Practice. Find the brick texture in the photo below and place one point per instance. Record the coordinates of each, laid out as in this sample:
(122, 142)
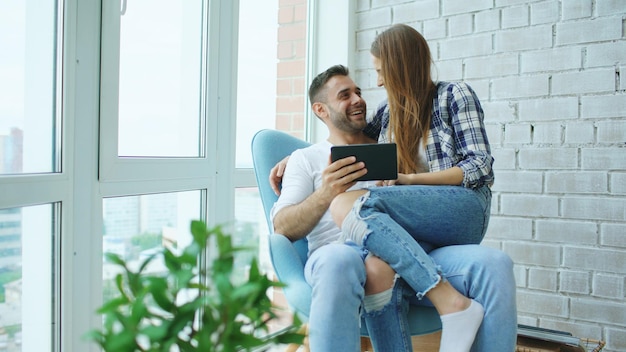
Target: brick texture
(291, 54)
(550, 76)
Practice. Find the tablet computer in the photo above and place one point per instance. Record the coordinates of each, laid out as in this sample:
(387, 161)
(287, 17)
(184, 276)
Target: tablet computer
(380, 159)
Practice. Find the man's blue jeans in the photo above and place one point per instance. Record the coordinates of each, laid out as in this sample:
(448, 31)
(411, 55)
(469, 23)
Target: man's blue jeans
(336, 273)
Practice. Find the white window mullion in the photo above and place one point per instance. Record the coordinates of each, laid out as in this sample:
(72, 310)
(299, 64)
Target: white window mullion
(19, 191)
(109, 86)
(221, 107)
(81, 225)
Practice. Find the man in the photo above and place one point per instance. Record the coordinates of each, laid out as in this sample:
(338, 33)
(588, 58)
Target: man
(336, 271)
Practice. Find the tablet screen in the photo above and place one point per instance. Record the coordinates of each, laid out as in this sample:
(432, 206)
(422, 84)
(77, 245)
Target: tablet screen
(380, 159)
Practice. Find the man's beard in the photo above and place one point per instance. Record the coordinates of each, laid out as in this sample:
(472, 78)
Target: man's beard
(344, 123)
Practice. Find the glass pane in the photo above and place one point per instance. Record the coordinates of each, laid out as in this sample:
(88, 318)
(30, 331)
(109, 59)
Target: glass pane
(256, 81)
(28, 41)
(26, 278)
(138, 226)
(159, 78)
(250, 230)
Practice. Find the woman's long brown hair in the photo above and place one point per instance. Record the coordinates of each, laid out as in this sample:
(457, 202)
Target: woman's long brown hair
(405, 68)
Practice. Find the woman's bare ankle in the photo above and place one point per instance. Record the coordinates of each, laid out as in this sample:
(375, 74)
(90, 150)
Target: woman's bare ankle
(447, 299)
(460, 303)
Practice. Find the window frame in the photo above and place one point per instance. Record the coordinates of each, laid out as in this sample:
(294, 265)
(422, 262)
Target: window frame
(215, 177)
(82, 182)
(117, 169)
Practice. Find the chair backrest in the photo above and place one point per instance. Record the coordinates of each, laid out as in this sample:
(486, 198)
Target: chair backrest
(268, 148)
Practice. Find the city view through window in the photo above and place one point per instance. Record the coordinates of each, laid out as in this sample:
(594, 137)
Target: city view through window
(134, 226)
(28, 137)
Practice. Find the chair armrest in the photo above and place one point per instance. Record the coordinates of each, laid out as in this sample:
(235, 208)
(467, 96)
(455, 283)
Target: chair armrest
(289, 269)
(285, 259)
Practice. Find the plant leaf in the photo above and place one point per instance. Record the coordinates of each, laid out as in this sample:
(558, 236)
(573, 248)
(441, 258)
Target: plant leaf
(191, 307)
(156, 332)
(113, 304)
(158, 288)
(122, 342)
(115, 259)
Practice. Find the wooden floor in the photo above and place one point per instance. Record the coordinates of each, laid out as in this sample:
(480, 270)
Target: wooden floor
(423, 343)
(427, 343)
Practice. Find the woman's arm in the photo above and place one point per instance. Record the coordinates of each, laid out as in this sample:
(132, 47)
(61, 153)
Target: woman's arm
(452, 176)
(471, 145)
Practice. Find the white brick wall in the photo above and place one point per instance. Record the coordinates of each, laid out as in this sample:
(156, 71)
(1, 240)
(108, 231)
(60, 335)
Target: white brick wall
(551, 76)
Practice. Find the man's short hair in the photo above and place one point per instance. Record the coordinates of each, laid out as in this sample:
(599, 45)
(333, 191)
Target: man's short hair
(317, 86)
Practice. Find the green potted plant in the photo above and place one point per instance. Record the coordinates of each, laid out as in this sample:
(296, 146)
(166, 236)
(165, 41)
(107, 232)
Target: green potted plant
(192, 307)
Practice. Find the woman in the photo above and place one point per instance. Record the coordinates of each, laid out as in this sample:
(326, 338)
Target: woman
(445, 170)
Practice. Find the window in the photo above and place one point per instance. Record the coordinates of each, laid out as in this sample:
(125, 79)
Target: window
(27, 278)
(154, 107)
(270, 94)
(160, 73)
(28, 98)
(136, 227)
(30, 162)
(109, 106)
(256, 73)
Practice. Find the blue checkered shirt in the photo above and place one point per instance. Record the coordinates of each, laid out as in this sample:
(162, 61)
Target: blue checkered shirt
(457, 134)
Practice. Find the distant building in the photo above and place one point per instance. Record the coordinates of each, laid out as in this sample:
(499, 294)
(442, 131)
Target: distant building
(13, 292)
(11, 152)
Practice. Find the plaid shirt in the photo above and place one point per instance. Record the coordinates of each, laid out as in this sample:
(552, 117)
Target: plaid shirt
(457, 134)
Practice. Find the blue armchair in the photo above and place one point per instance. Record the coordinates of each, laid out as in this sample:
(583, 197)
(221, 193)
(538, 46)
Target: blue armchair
(268, 148)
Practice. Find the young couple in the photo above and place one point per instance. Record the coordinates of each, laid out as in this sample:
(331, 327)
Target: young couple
(442, 201)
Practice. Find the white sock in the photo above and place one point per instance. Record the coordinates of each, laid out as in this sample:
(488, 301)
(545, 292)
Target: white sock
(458, 330)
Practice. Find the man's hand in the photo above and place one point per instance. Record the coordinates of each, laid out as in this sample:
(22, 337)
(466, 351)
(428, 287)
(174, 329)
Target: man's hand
(296, 221)
(334, 175)
(339, 176)
(276, 175)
